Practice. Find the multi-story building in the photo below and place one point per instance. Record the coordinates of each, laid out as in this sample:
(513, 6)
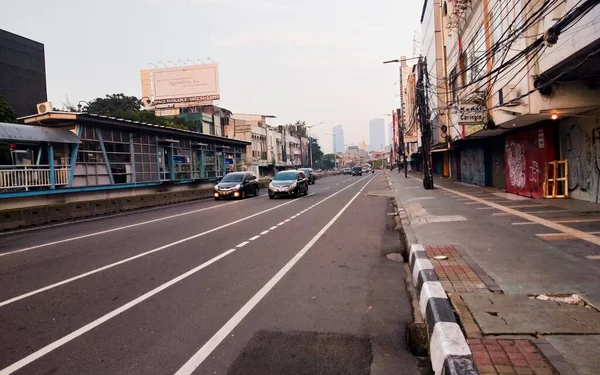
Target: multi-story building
(376, 134)
(252, 128)
(338, 139)
(22, 73)
(521, 91)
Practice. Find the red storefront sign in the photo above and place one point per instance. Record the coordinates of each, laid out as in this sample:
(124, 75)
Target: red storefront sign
(526, 154)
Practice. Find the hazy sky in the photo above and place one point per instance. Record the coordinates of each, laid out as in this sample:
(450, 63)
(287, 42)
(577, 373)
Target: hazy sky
(312, 60)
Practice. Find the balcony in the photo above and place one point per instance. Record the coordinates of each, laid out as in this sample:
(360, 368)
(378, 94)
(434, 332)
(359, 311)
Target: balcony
(26, 177)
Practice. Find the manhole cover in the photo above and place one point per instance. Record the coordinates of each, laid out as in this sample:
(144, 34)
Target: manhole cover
(303, 353)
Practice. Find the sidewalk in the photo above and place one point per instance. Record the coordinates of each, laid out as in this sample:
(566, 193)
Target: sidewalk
(502, 259)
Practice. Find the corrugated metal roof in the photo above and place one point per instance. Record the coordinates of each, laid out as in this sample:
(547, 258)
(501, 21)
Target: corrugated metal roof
(28, 133)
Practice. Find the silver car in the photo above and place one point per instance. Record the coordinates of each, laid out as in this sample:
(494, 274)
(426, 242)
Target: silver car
(288, 183)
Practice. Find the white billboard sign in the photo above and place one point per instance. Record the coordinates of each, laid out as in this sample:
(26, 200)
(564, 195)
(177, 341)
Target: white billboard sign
(185, 84)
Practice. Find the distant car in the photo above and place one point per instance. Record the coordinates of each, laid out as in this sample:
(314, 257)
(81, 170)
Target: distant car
(288, 183)
(310, 174)
(236, 185)
(347, 170)
(365, 170)
(357, 171)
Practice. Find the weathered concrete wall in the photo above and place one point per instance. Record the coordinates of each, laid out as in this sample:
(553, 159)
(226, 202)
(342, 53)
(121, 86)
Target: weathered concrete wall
(580, 146)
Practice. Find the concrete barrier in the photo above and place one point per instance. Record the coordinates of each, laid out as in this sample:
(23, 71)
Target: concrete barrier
(74, 209)
(34, 216)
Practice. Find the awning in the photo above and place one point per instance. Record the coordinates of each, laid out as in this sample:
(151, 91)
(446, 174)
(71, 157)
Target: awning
(28, 133)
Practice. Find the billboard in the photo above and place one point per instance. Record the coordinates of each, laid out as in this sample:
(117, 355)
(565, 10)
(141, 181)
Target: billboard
(185, 84)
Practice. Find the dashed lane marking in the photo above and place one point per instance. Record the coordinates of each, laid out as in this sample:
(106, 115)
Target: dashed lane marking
(593, 257)
(254, 238)
(88, 327)
(126, 260)
(563, 221)
(265, 232)
(559, 236)
(196, 360)
(273, 227)
(243, 244)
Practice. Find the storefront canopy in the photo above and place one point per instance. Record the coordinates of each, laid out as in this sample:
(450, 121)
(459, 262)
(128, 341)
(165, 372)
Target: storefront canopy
(26, 133)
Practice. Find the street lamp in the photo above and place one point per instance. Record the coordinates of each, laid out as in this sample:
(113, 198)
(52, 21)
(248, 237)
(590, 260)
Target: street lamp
(310, 156)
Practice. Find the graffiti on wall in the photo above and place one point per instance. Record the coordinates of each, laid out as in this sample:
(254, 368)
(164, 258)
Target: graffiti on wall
(580, 146)
(472, 167)
(526, 154)
(515, 162)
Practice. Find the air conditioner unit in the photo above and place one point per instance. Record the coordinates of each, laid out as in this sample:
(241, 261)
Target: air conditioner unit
(44, 108)
(507, 96)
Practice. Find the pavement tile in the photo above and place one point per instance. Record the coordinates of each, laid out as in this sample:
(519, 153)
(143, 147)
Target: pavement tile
(523, 371)
(474, 341)
(511, 349)
(486, 369)
(490, 341)
(506, 342)
(505, 369)
(537, 363)
(477, 347)
(544, 371)
(501, 361)
(494, 347)
(515, 356)
(520, 363)
(533, 357)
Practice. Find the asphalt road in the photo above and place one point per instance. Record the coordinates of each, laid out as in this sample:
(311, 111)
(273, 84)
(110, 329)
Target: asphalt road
(259, 286)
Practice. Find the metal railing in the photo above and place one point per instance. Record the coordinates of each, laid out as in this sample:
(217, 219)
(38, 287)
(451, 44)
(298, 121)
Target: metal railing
(24, 177)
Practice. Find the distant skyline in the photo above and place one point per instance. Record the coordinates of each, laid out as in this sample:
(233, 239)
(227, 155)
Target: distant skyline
(338, 139)
(275, 56)
(376, 134)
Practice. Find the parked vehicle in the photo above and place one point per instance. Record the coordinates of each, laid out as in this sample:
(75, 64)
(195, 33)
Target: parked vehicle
(237, 185)
(357, 171)
(310, 174)
(288, 183)
(347, 170)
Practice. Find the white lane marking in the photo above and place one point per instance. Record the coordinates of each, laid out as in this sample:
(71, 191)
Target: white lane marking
(254, 238)
(265, 232)
(293, 217)
(485, 208)
(286, 220)
(327, 188)
(280, 224)
(85, 274)
(273, 227)
(62, 341)
(243, 244)
(115, 229)
(196, 360)
(71, 336)
(593, 257)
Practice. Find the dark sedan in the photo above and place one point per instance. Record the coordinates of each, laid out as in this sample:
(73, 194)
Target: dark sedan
(288, 183)
(236, 185)
(310, 174)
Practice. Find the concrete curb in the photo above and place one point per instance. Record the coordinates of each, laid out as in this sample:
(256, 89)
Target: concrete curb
(449, 351)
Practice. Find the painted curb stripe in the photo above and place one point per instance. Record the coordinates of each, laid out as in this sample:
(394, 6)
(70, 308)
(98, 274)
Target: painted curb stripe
(421, 264)
(414, 248)
(415, 256)
(423, 277)
(438, 311)
(459, 365)
(430, 289)
(447, 340)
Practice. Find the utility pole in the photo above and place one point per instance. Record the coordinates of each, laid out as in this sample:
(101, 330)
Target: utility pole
(424, 118)
(401, 118)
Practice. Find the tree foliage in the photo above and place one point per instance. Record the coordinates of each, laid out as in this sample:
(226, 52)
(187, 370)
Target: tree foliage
(112, 104)
(130, 108)
(328, 161)
(299, 128)
(317, 154)
(6, 112)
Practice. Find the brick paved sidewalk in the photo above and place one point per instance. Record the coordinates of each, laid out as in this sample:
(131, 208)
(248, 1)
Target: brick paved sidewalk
(503, 357)
(492, 356)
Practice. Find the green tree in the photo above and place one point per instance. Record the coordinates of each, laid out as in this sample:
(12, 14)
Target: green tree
(299, 128)
(112, 104)
(328, 161)
(130, 108)
(6, 112)
(317, 154)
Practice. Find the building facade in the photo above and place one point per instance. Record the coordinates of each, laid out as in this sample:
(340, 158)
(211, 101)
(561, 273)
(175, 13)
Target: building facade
(376, 134)
(22, 72)
(521, 83)
(338, 139)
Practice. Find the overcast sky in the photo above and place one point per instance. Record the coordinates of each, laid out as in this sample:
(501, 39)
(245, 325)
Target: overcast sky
(312, 60)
